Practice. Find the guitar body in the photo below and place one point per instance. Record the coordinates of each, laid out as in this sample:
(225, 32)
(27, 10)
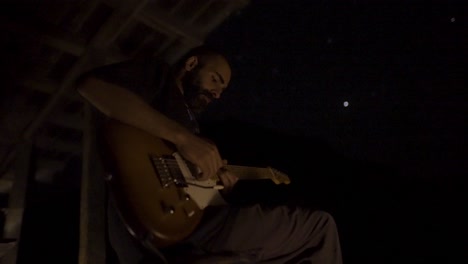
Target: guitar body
(156, 195)
(163, 215)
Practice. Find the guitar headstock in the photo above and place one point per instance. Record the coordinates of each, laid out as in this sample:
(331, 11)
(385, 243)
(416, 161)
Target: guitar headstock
(279, 177)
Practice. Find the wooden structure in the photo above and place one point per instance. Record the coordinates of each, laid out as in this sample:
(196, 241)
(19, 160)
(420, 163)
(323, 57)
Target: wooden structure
(44, 123)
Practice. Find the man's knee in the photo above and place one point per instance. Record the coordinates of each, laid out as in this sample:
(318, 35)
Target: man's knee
(326, 220)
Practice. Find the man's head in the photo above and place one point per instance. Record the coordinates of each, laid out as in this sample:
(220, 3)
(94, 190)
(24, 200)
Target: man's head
(202, 75)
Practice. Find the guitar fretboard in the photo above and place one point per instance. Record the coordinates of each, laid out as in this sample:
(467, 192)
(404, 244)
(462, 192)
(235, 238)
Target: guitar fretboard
(250, 173)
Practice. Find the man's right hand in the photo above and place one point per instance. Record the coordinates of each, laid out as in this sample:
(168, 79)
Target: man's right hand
(202, 153)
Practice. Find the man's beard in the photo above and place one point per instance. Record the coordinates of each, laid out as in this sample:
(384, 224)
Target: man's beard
(195, 95)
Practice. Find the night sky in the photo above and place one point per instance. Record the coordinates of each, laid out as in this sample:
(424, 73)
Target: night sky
(363, 104)
(389, 166)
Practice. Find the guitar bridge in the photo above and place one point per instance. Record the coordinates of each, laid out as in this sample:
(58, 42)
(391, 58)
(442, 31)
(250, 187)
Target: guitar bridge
(167, 171)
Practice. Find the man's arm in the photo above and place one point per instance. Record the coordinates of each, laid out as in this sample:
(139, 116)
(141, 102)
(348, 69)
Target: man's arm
(123, 105)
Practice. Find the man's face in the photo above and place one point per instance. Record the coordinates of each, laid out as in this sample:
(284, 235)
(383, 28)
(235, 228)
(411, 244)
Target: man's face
(205, 83)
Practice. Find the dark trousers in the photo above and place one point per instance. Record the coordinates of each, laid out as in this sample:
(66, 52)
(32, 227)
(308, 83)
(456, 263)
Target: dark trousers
(280, 234)
(258, 234)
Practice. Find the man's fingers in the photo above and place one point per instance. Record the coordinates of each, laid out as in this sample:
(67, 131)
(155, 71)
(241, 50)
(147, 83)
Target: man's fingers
(215, 165)
(228, 179)
(205, 173)
(224, 179)
(204, 155)
(209, 170)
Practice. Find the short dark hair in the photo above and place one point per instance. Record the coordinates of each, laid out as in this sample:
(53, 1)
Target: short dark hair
(202, 52)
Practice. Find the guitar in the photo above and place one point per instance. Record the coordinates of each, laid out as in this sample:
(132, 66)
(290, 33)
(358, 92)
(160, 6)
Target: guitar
(154, 189)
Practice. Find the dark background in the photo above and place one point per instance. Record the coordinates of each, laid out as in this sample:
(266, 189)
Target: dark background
(390, 166)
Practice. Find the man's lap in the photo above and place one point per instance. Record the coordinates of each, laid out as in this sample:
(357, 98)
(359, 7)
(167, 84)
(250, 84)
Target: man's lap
(260, 232)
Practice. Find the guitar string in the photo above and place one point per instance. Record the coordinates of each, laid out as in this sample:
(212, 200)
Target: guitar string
(174, 162)
(175, 165)
(200, 186)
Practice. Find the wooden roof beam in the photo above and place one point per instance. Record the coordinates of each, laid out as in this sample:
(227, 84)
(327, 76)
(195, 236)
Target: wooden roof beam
(48, 86)
(105, 36)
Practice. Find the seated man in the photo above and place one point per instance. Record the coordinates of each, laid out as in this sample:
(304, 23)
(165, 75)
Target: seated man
(165, 102)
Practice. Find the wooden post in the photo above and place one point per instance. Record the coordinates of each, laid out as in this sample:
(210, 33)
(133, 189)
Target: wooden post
(16, 202)
(93, 200)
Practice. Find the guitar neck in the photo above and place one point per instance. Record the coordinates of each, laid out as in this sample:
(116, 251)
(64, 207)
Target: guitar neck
(250, 173)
